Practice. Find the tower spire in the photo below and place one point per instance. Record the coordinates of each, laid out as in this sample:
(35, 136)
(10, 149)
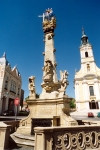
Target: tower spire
(83, 31)
(4, 55)
(84, 38)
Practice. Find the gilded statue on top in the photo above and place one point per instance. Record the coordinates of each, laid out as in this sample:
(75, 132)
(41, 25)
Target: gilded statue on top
(49, 20)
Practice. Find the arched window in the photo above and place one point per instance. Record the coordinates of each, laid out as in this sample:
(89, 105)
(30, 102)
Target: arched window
(86, 54)
(93, 105)
(91, 90)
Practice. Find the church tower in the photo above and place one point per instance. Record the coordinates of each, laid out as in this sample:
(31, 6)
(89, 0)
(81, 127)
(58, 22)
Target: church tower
(87, 79)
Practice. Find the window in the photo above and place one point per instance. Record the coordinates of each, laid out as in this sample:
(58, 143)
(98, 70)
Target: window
(86, 54)
(13, 86)
(88, 67)
(91, 90)
(6, 83)
(18, 90)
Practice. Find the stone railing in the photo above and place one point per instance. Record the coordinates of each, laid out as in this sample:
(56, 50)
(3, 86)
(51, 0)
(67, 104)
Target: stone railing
(67, 138)
(4, 136)
(13, 125)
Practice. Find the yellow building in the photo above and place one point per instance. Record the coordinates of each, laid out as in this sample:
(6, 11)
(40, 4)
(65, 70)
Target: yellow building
(10, 85)
(87, 79)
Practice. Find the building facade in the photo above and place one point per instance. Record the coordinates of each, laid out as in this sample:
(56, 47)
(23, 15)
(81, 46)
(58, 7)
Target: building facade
(10, 85)
(87, 79)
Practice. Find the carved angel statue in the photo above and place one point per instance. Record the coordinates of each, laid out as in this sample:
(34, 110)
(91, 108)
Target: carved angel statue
(63, 80)
(31, 86)
(63, 76)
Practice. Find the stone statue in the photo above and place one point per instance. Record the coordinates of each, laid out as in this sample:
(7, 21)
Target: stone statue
(49, 20)
(48, 71)
(31, 87)
(48, 14)
(63, 81)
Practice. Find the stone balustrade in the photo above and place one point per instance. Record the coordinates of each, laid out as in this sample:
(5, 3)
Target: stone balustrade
(14, 124)
(82, 137)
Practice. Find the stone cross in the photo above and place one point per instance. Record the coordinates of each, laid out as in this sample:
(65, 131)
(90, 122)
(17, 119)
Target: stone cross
(42, 16)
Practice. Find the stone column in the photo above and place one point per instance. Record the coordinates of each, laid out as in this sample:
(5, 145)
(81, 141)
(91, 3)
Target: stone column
(97, 90)
(86, 94)
(43, 138)
(77, 96)
(49, 53)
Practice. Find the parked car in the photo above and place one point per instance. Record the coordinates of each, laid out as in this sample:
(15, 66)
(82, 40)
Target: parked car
(90, 114)
(8, 113)
(23, 113)
(98, 115)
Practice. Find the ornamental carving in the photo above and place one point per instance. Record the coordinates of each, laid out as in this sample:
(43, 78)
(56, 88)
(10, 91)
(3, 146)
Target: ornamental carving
(78, 141)
(48, 71)
(64, 81)
(49, 20)
(31, 86)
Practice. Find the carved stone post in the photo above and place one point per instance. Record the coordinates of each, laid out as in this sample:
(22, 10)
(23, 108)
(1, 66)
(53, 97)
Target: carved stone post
(4, 136)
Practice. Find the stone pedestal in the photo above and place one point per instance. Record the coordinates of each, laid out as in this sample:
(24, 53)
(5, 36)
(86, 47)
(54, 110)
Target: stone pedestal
(49, 109)
(4, 136)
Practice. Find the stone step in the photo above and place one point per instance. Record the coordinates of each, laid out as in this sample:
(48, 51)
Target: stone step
(23, 139)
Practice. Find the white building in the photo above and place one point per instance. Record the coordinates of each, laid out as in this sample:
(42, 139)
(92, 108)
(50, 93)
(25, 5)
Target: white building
(10, 85)
(87, 79)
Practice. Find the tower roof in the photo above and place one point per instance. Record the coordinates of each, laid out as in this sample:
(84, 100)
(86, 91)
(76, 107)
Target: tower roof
(84, 38)
(3, 59)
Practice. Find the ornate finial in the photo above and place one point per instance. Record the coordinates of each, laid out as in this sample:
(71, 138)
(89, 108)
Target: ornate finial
(4, 55)
(83, 31)
(15, 66)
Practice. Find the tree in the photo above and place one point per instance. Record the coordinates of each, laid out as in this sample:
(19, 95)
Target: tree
(37, 96)
(26, 98)
(72, 103)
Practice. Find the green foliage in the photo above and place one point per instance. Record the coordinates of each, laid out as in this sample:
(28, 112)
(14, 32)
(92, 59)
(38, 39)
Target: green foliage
(37, 95)
(72, 104)
(26, 98)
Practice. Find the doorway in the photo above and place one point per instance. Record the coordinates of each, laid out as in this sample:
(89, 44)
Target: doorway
(11, 104)
(3, 104)
(93, 105)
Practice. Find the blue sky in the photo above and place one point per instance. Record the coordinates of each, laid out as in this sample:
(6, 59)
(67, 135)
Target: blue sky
(21, 35)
